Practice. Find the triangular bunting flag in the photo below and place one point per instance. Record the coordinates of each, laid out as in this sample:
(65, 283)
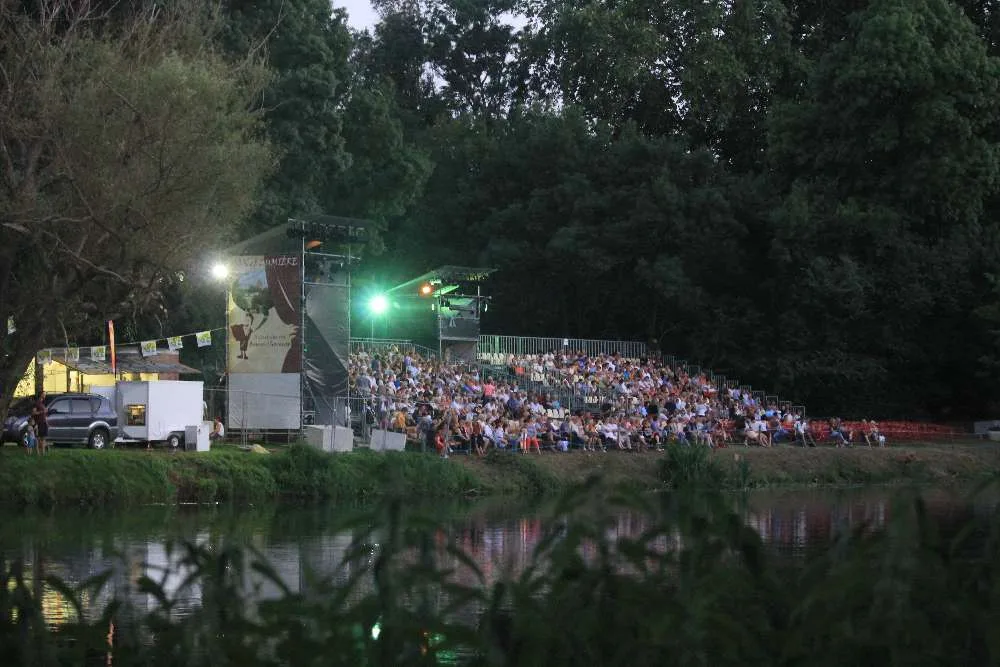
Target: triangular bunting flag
(148, 348)
(98, 353)
(10, 325)
(175, 343)
(204, 338)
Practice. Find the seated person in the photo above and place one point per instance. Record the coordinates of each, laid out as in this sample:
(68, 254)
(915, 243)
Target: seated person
(218, 430)
(548, 434)
(462, 437)
(398, 423)
(838, 434)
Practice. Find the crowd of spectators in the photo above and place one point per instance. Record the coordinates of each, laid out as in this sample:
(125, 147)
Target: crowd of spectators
(643, 405)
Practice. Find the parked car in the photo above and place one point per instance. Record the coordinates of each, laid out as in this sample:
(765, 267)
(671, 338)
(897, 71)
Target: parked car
(87, 419)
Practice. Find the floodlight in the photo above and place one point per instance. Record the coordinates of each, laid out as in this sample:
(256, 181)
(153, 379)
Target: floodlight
(378, 304)
(426, 289)
(220, 271)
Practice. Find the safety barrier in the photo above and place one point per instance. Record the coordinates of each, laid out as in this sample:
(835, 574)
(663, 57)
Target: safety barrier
(383, 345)
(496, 349)
(499, 351)
(892, 430)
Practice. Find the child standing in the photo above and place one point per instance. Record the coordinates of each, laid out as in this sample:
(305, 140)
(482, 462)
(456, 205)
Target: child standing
(30, 439)
(441, 442)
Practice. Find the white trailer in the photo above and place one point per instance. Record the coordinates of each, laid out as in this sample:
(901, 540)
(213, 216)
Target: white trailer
(159, 411)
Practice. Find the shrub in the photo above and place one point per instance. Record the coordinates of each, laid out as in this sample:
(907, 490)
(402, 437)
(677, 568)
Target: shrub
(691, 465)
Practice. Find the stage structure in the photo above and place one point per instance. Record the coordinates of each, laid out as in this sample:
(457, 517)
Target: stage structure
(449, 304)
(289, 323)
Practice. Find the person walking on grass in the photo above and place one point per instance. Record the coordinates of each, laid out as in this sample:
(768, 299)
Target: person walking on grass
(441, 442)
(40, 413)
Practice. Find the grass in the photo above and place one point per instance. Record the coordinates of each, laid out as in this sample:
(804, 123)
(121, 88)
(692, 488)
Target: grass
(939, 463)
(302, 474)
(296, 473)
(746, 468)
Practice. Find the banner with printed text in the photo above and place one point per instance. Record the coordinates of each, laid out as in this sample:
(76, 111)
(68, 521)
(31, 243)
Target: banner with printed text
(264, 314)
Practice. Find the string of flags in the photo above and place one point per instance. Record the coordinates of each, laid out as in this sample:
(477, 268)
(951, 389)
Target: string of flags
(147, 348)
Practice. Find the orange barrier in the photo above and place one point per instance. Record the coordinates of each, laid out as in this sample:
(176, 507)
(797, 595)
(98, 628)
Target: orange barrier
(892, 430)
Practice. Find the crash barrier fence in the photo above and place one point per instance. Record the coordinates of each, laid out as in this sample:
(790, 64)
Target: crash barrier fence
(499, 351)
(893, 430)
(524, 345)
(383, 345)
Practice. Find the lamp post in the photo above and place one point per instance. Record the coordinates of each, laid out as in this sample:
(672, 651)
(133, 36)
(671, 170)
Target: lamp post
(220, 273)
(377, 306)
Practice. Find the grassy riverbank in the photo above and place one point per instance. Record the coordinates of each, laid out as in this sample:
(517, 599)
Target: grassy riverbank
(740, 467)
(298, 473)
(133, 477)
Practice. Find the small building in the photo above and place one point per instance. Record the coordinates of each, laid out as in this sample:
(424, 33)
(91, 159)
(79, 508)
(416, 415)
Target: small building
(84, 374)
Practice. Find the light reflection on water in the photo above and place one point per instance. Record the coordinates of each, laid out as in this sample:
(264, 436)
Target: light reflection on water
(298, 541)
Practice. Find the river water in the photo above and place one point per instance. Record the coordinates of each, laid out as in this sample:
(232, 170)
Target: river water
(499, 536)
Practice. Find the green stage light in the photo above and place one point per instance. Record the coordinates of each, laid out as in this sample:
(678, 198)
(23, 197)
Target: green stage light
(378, 304)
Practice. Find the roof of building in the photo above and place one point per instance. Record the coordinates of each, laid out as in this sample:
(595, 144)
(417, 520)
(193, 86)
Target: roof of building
(445, 275)
(127, 363)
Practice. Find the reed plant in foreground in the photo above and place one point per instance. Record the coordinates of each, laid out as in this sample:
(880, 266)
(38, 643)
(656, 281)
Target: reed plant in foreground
(695, 587)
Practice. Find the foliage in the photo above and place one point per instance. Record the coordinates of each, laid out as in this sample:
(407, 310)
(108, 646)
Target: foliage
(526, 475)
(800, 194)
(334, 122)
(687, 466)
(306, 47)
(128, 148)
(695, 587)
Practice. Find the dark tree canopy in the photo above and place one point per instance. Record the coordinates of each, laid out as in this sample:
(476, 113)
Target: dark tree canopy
(800, 193)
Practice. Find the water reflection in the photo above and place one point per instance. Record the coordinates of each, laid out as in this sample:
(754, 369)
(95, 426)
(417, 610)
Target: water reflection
(299, 542)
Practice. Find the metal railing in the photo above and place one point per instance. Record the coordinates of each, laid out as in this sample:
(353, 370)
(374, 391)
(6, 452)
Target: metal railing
(494, 353)
(494, 346)
(381, 345)
(528, 383)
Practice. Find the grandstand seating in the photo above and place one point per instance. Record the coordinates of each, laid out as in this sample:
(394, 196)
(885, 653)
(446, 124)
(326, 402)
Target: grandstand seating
(608, 396)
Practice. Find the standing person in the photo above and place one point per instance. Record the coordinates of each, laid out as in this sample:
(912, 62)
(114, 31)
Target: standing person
(30, 439)
(441, 442)
(41, 415)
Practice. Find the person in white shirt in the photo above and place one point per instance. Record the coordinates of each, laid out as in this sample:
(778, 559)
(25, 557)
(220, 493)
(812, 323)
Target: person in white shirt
(218, 430)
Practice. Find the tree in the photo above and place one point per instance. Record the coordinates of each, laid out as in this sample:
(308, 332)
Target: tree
(127, 148)
(306, 45)
(888, 160)
(335, 122)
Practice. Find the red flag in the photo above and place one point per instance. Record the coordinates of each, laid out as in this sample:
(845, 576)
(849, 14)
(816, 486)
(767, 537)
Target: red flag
(111, 341)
